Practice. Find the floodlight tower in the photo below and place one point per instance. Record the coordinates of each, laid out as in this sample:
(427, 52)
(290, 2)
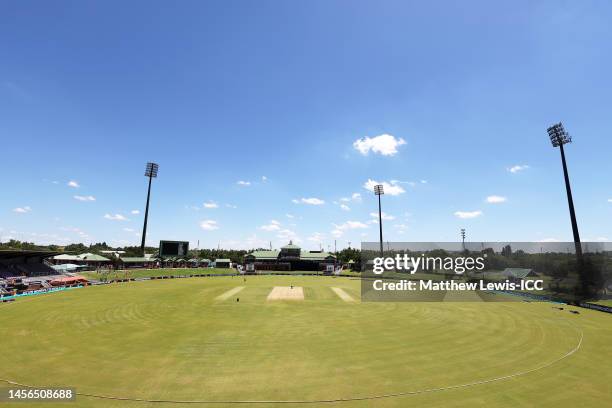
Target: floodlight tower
(559, 137)
(463, 238)
(150, 172)
(378, 190)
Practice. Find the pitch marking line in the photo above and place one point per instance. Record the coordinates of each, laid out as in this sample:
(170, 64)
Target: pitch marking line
(286, 293)
(229, 293)
(343, 295)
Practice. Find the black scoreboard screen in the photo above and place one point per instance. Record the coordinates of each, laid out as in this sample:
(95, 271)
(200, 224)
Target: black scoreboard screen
(173, 248)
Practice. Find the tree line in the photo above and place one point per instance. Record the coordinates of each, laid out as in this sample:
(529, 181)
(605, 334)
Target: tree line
(235, 255)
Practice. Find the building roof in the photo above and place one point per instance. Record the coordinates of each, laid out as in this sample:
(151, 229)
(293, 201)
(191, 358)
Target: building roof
(519, 273)
(290, 245)
(67, 257)
(223, 260)
(136, 259)
(81, 257)
(315, 256)
(193, 260)
(13, 253)
(305, 255)
(93, 257)
(273, 254)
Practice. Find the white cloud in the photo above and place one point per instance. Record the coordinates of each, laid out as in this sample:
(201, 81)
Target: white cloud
(210, 204)
(356, 197)
(73, 184)
(610, 200)
(264, 178)
(336, 233)
(209, 225)
(272, 226)
(392, 188)
(78, 231)
(495, 199)
(295, 201)
(350, 225)
(345, 207)
(385, 216)
(231, 206)
(254, 241)
(288, 235)
(115, 217)
(290, 215)
(22, 210)
(309, 201)
(550, 240)
(316, 237)
(84, 198)
(135, 212)
(518, 167)
(128, 229)
(468, 214)
(243, 183)
(423, 181)
(383, 144)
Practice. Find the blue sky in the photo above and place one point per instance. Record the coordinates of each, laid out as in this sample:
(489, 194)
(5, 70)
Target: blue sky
(292, 98)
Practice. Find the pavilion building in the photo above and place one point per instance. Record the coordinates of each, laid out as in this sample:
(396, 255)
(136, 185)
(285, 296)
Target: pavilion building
(289, 258)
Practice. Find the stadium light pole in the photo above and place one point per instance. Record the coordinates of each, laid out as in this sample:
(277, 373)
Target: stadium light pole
(378, 190)
(150, 172)
(463, 238)
(558, 138)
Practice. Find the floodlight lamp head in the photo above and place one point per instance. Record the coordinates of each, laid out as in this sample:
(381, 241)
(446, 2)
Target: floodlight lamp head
(378, 189)
(558, 135)
(151, 169)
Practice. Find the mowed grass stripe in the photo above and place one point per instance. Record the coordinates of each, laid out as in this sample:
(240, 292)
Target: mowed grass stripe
(229, 293)
(342, 294)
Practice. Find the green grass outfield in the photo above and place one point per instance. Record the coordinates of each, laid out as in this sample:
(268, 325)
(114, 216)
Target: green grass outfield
(603, 302)
(174, 339)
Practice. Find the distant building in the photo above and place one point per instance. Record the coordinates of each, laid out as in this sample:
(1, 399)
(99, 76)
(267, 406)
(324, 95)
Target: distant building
(290, 258)
(89, 259)
(222, 263)
(137, 262)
